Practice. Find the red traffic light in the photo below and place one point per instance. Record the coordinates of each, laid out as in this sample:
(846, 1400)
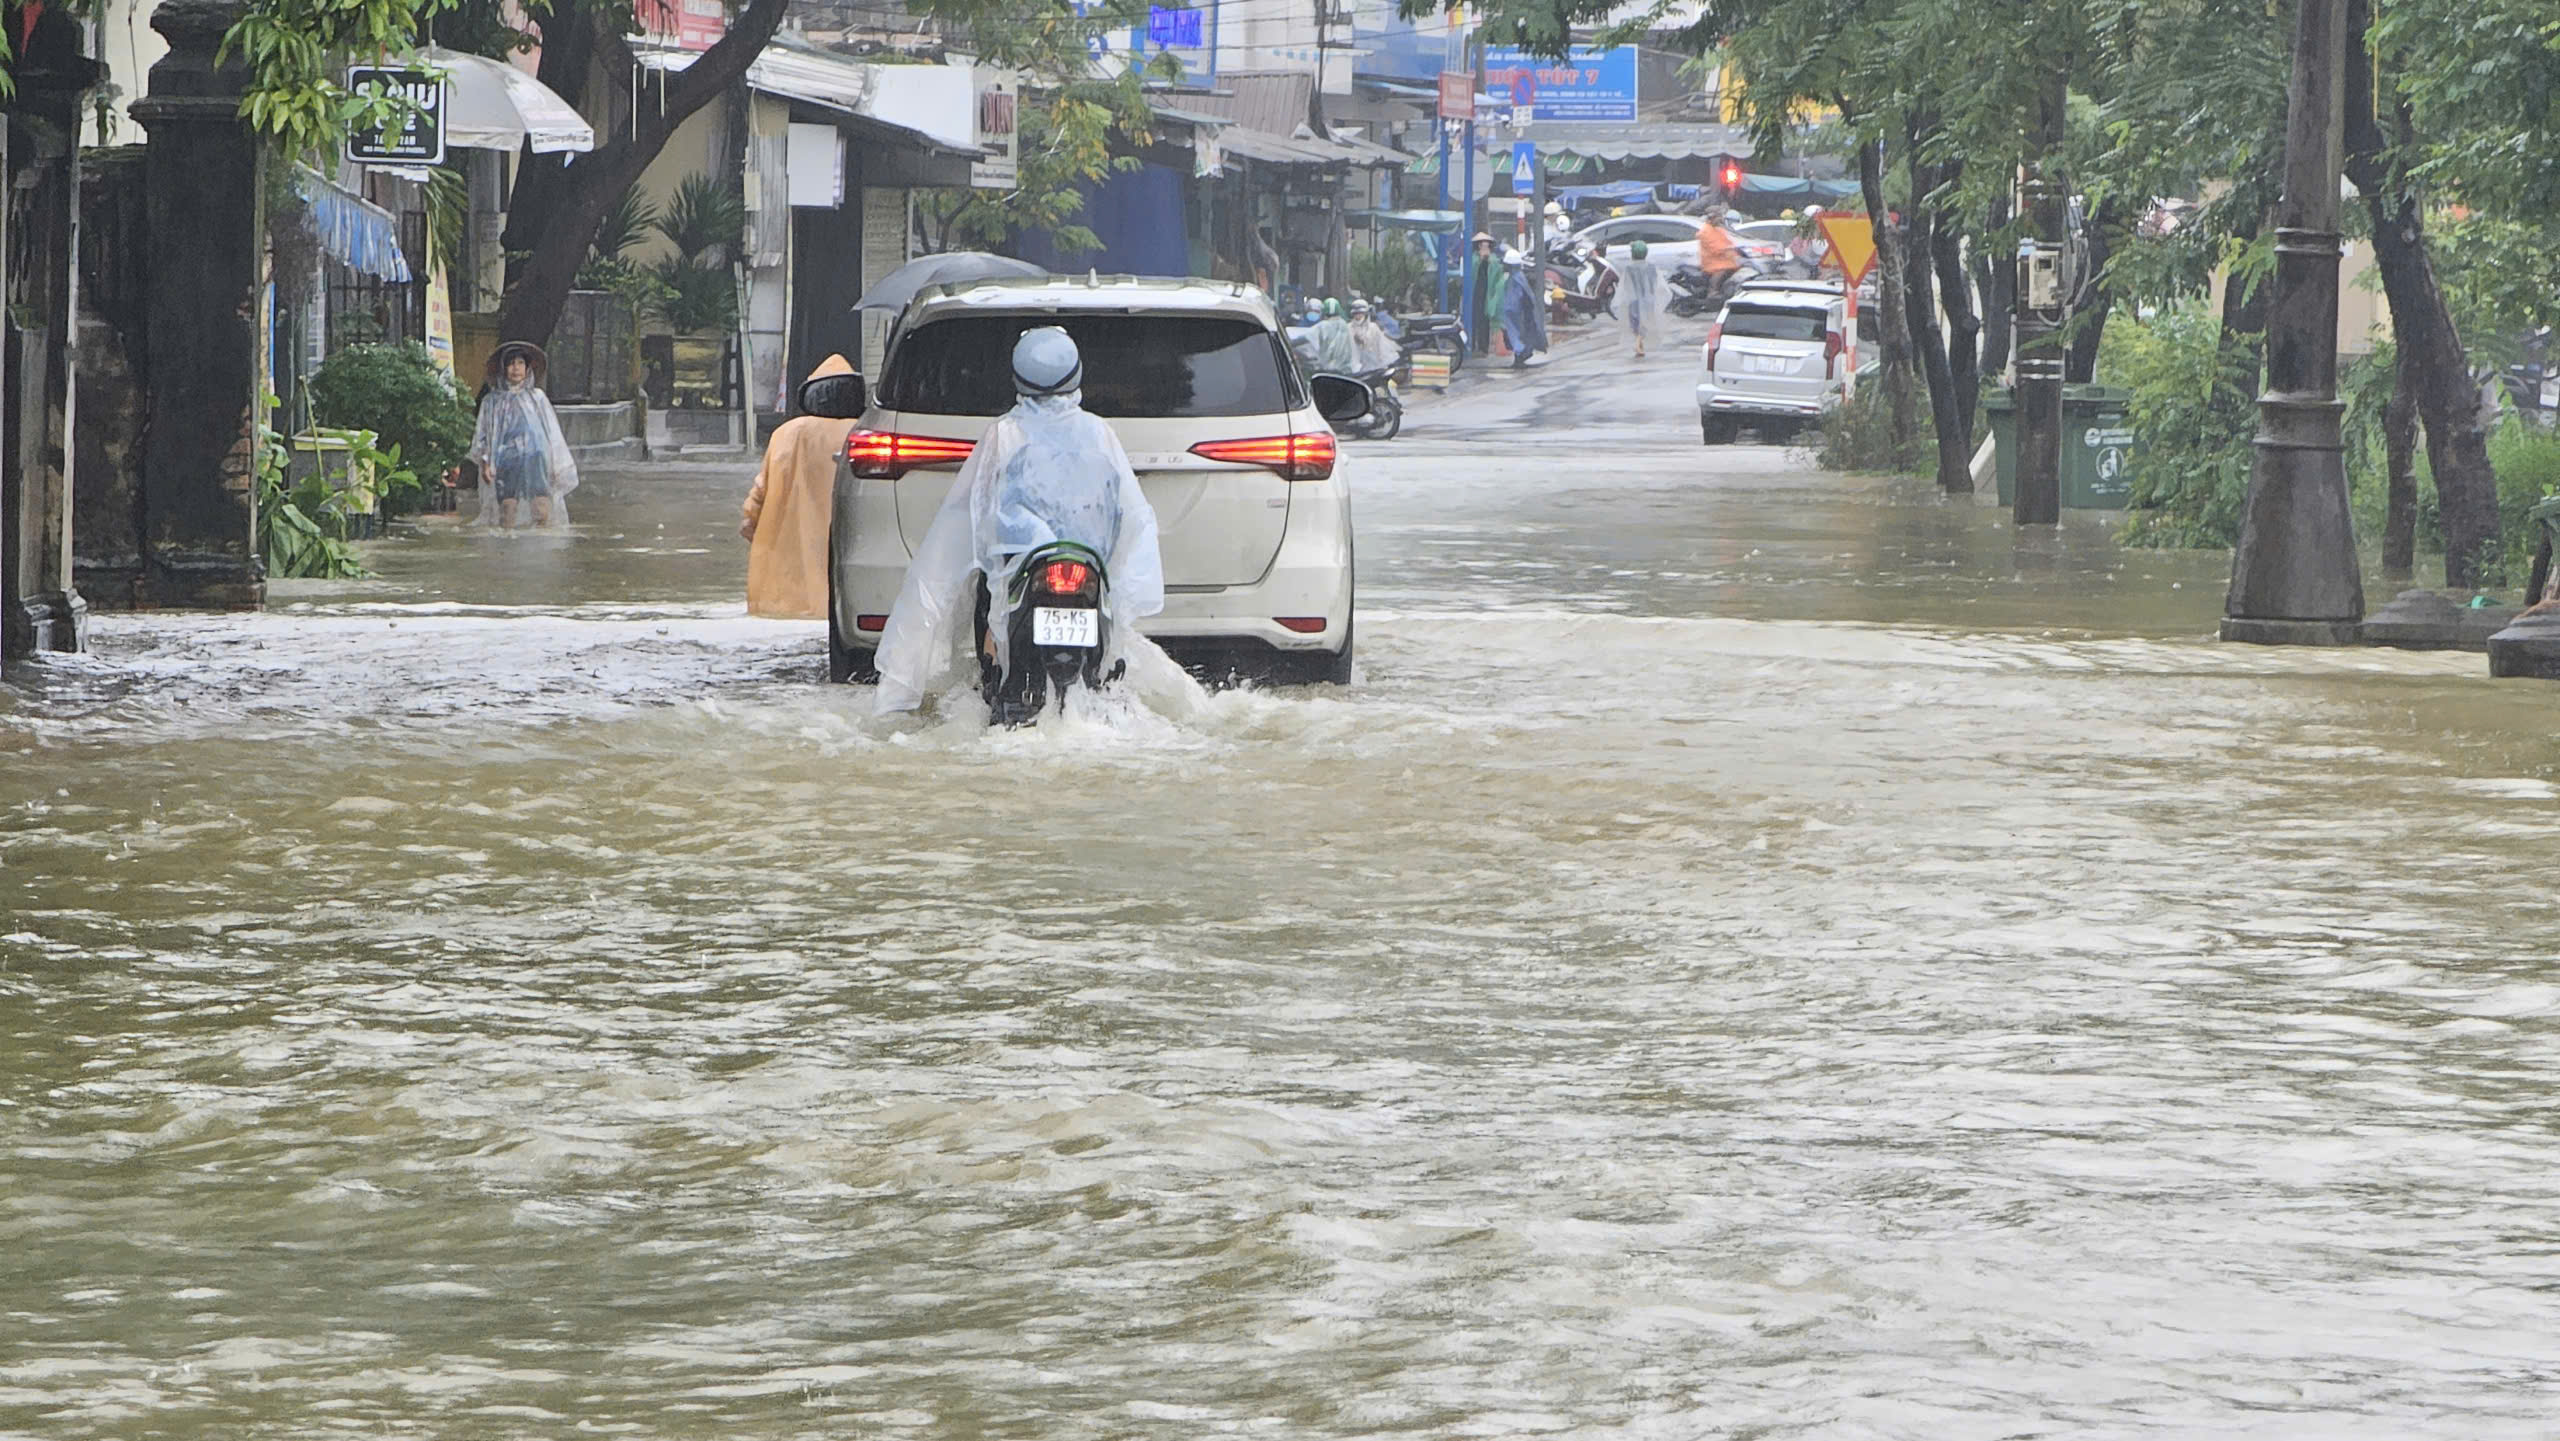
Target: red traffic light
(1731, 175)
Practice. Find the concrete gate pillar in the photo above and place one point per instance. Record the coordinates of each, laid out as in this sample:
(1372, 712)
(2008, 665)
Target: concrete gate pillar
(40, 608)
(207, 274)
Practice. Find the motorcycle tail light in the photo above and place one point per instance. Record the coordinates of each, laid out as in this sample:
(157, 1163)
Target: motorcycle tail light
(886, 454)
(1715, 337)
(1832, 344)
(1308, 455)
(1065, 577)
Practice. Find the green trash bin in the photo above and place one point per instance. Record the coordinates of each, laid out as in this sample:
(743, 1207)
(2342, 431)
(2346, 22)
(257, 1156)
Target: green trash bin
(2098, 449)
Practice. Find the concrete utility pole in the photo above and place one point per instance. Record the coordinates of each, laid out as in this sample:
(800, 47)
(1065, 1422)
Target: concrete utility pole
(2041, 315)
(2294, 579)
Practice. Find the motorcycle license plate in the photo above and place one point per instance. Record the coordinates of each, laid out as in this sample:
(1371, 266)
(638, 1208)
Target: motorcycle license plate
(1053, 626)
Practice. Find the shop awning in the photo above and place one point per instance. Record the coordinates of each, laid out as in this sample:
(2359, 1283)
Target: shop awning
(1498, 162)
(1408, 219)
(492, 105)
(1666, 140)
(932, 107)
(352, 230)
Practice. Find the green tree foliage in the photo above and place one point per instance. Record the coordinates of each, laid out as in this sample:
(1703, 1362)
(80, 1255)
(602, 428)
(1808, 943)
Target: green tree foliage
(1075, 124)
(297, 50)
(704, 223)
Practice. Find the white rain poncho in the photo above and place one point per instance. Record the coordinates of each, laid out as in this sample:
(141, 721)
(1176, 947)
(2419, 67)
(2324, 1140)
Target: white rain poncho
(1335, 354)
(1640, 298)
(1046, 470)
(1371, 347)
(521, 452)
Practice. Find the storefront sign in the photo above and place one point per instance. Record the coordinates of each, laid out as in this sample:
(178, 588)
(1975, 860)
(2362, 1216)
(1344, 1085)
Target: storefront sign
(418, 137)
(999, 97)
(1171, 27)
(1457, 95)
(686, 24)
(1589, 84)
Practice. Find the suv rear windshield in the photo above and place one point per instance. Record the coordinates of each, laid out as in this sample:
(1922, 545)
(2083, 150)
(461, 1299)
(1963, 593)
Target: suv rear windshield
(1771, 322)
(1136, 367)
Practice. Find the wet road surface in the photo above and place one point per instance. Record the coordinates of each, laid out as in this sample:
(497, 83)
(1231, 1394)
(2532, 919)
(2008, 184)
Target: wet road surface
(1760, 953)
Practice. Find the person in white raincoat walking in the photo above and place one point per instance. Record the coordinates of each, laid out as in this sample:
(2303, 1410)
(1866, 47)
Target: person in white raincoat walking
(1640, 291)
(517, 443)
(1047, 470)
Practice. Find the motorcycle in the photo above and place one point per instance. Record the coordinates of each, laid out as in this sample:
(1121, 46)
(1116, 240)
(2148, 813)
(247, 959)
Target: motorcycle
(1580, 284)
(1442, 333)
(1055, 633)
(1386, 409)
(1693, 292)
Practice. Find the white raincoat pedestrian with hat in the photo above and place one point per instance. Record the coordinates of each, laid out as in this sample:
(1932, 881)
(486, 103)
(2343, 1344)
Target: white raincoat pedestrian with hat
(1047, 470)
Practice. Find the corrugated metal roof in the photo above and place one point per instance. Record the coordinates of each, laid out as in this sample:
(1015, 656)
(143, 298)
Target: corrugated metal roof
(1274, 102)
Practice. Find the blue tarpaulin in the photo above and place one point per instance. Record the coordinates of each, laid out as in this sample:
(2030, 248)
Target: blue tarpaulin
(353, 231)
(1137, 215)
(1617, 192)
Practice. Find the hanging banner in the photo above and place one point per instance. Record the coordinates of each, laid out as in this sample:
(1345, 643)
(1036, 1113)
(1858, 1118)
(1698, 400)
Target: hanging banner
(418, 138)
(439, 309)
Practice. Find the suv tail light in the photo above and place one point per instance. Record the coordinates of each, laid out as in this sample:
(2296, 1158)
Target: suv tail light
(1715, 337)
(1065, 577)
(1833, 342)
(886, 455)
(1308, 455)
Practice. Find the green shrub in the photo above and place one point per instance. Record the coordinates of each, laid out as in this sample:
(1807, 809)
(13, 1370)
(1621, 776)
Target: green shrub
(400, 394)
(1858, 434)
(1392, 274)
(2192, 417)
(2526, 457)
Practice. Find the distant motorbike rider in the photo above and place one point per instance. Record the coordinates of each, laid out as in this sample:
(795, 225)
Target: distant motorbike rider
(1719, 255)
(1335, 353)
(1369, 342)
(1047, 470)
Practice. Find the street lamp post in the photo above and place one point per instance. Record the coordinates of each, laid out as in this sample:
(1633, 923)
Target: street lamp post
(2294, 579)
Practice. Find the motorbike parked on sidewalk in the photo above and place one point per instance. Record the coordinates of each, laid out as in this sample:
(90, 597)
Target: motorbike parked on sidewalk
(1580, 283)
(1055, 633)
(1441, 333)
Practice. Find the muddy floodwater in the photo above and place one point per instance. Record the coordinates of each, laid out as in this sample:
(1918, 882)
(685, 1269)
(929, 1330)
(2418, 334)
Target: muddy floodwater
(1759, 953)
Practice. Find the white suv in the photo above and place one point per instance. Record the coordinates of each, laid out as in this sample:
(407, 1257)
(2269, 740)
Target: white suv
(1777, 359)
(1224, 431)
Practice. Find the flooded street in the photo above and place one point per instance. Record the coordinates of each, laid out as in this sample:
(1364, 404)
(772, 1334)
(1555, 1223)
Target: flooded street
(1760, 953)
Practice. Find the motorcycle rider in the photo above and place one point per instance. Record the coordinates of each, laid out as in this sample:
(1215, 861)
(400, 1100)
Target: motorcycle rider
(1719, 255)
(1335, 353)
(1369, 341)
(1047, 470)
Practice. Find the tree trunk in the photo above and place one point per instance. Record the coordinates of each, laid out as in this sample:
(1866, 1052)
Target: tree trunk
(2400, 461)
(2096, 301)
(1893, 334)
(1964, 325)
(1928, 340)
(1996, 281)
(2430, 347)
(588, 185)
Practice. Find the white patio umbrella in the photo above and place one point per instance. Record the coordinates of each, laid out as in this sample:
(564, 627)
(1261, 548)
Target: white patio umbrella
(491, 105)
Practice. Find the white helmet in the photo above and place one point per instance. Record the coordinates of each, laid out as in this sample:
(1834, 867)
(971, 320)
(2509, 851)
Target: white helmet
(1046, 362)
(1512, 256)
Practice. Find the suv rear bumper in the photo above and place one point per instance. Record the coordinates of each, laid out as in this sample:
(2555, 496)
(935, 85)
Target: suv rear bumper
(1718, 400)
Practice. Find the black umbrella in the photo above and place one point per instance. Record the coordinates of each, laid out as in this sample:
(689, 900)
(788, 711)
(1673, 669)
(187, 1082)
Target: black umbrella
(901, 285)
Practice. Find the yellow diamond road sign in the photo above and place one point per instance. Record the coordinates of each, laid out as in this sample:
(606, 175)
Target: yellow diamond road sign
(1853, 244)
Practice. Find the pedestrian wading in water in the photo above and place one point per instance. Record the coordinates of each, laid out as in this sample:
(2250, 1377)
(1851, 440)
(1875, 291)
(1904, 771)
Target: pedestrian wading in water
(789, 508)
(525, 467)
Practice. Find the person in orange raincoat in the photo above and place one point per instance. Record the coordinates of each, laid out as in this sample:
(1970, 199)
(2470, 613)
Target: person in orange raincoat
(788, 510)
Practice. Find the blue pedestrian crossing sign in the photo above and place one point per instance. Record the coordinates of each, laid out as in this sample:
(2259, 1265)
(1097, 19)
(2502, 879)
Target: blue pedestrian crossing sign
(1524, 167)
